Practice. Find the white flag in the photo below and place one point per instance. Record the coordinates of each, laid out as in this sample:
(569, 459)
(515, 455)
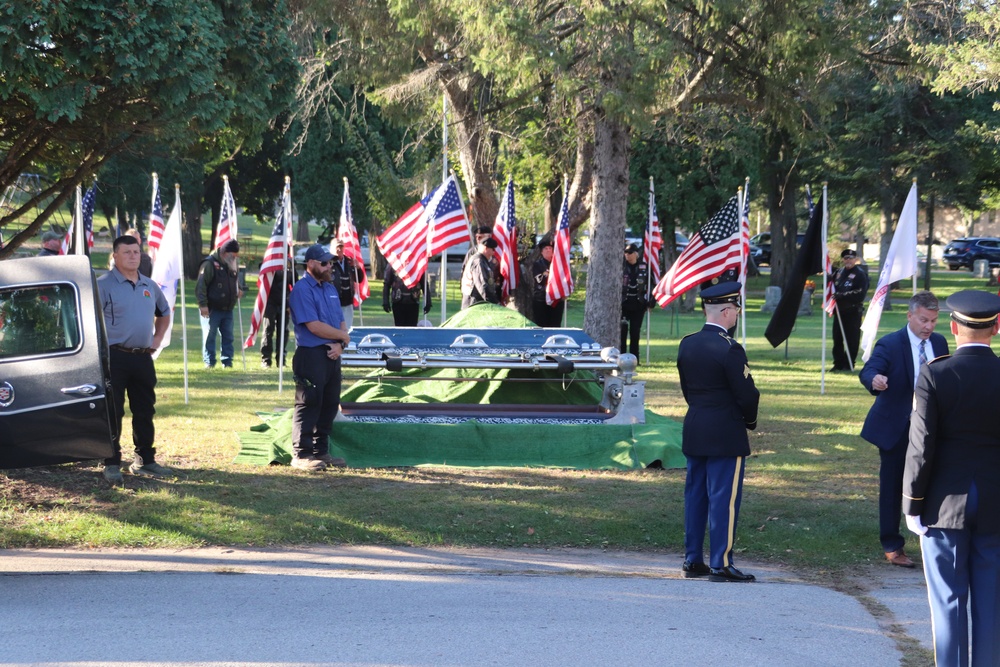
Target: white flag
(169, 263)
(900, 262)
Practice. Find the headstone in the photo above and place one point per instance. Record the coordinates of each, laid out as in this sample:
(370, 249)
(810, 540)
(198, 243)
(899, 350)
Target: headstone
(772, 295)
(806, 306)
(689, 299)
(981, 268)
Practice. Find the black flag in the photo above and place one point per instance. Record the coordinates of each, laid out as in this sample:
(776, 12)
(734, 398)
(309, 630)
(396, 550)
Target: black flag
(808, 262)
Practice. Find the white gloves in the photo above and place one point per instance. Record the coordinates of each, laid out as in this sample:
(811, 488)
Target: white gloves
(915, 525)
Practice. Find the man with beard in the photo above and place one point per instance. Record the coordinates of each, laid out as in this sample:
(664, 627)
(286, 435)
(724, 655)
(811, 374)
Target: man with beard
(320, 336)
(217, 293)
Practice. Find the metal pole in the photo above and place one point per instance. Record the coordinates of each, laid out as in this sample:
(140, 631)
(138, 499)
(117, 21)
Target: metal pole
(286, 211)
(444, 177)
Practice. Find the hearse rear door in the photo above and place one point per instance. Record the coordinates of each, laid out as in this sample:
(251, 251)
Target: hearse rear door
(55, 392)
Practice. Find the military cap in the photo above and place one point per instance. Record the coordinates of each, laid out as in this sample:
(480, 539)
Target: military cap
(483, 229)
(491, 243)
(630, 248)
(848, 252)
(974, 309)
(545, 243)
(722, 293)
(50, 236)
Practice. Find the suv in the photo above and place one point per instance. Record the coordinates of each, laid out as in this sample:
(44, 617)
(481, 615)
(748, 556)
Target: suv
(760, 247)
(965, 251)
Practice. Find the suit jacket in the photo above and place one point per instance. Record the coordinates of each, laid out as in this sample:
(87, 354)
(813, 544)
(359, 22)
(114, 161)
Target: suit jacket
(721, 396)
(888, 422)
(955, 441)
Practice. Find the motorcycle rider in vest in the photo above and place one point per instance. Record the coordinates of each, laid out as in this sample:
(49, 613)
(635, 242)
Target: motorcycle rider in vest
(217, 292)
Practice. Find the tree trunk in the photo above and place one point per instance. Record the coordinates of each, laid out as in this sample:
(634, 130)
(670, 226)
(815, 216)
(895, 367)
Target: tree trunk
(781, 182)
(191, 237)
(474, 148)
(602, 314)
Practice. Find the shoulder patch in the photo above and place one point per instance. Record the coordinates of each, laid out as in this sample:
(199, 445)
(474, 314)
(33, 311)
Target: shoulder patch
(943, 356)
(726, 337)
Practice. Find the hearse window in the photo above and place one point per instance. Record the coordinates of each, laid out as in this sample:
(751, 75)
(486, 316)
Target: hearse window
(38, 320)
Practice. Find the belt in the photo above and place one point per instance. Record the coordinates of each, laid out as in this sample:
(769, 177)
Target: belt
(134, 350)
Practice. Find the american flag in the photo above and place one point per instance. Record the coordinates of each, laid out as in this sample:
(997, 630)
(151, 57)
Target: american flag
(447, 223)
(156, 225)
(430, 226)
(227, 229)
(745, 234)
(505, 234)
(348, 234)
(274, 260)
(713, 249)
(85, 212)
(829, 302)
(652, 242)
(560, 284)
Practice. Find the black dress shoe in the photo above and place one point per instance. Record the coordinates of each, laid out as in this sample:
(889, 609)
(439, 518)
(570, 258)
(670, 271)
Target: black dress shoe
(694, 570)
(729, 573)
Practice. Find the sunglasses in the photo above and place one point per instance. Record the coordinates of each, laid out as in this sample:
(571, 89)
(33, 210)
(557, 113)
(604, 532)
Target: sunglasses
(327, 263)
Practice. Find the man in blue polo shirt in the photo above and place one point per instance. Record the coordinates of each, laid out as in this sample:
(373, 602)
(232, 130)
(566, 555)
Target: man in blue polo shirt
(320, 338)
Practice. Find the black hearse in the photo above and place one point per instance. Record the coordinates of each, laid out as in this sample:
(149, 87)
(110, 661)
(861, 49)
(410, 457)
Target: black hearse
(55, 391)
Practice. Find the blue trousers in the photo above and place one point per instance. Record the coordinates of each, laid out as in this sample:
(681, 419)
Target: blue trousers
(960, 564)
(712, 493)
(220, 321)
(890, 496)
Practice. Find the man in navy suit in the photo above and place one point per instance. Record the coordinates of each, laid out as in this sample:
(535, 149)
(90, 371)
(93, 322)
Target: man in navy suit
(951, 485)
(722, 404)
(890, 375)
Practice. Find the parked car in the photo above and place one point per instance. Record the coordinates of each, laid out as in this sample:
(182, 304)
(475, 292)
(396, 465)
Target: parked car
(760, 247)
(963, 252)
(300, 254)
(55, 377)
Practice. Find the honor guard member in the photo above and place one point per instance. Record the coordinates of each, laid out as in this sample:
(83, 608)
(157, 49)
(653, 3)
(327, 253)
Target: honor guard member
(136, 316)
(850, 284)
(951, 485)
(635, 278)
(722, 404)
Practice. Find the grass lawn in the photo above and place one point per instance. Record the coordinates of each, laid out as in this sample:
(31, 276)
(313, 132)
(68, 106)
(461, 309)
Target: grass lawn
(810, 492)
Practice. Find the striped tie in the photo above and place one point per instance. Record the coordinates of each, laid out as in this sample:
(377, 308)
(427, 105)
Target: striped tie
(923, 352)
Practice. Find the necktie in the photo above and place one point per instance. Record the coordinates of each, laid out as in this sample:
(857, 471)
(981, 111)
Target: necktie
(923, 352)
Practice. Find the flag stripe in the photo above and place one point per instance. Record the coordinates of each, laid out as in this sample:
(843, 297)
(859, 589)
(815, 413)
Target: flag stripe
(560, 284)
(274, 259)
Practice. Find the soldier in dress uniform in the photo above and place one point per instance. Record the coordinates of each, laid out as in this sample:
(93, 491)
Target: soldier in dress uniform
(635, 277)
(850, 284)
(951, 485)
(722, 404)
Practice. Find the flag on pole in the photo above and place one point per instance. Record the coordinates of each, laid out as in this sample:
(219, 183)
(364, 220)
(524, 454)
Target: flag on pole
(652, 242)
(505, 234)
(430, 226)
(227, 229)
(745, 234)
(169, 262)
(560, 284)
(808, 262)
(155, 237)
(829, 304)
(348, 234)
(714, 249)
(900, 262)
(447, 223)
(88, 214)
(274, 260)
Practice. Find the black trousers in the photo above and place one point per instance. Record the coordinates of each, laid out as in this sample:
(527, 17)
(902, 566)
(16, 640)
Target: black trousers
(269, 340)
(317, 397)
(545, 315)
(632, 315)
(405, 314)
(134, 375)
(850, 315)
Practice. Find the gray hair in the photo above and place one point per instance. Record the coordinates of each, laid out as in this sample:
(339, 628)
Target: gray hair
(923, 299)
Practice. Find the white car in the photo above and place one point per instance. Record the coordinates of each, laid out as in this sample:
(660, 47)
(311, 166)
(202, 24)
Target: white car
(300, 254)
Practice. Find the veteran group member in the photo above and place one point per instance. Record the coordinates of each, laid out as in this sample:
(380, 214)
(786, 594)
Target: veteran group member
(402, 301)
(542, 313)
(136, 316)
(951, 485)
(320, 337)
(218, 292)
(722, 405)
(479, 283)
(345, 277)
(890, 375)
(635, 276)
(850, 284)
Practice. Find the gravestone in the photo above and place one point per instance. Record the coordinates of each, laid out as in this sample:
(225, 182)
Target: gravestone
(981, 268)
(772, 295)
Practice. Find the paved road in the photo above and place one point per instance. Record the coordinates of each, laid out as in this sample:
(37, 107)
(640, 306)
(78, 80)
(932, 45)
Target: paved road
(353, 606)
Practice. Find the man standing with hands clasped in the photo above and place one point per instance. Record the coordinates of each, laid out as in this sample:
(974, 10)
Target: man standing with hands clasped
(890, 375)
(722, 404)
(951, 485)
(320, 336)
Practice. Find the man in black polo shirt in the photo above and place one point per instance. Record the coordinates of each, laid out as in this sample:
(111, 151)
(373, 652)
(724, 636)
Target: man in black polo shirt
(136, 316)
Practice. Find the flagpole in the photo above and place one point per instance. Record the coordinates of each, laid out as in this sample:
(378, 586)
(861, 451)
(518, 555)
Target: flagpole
(740, 197)
(78, 223)
(180, 244)
(231, 217)
(444, 177)
(649, 287)
(826, 254)
(286, 211)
